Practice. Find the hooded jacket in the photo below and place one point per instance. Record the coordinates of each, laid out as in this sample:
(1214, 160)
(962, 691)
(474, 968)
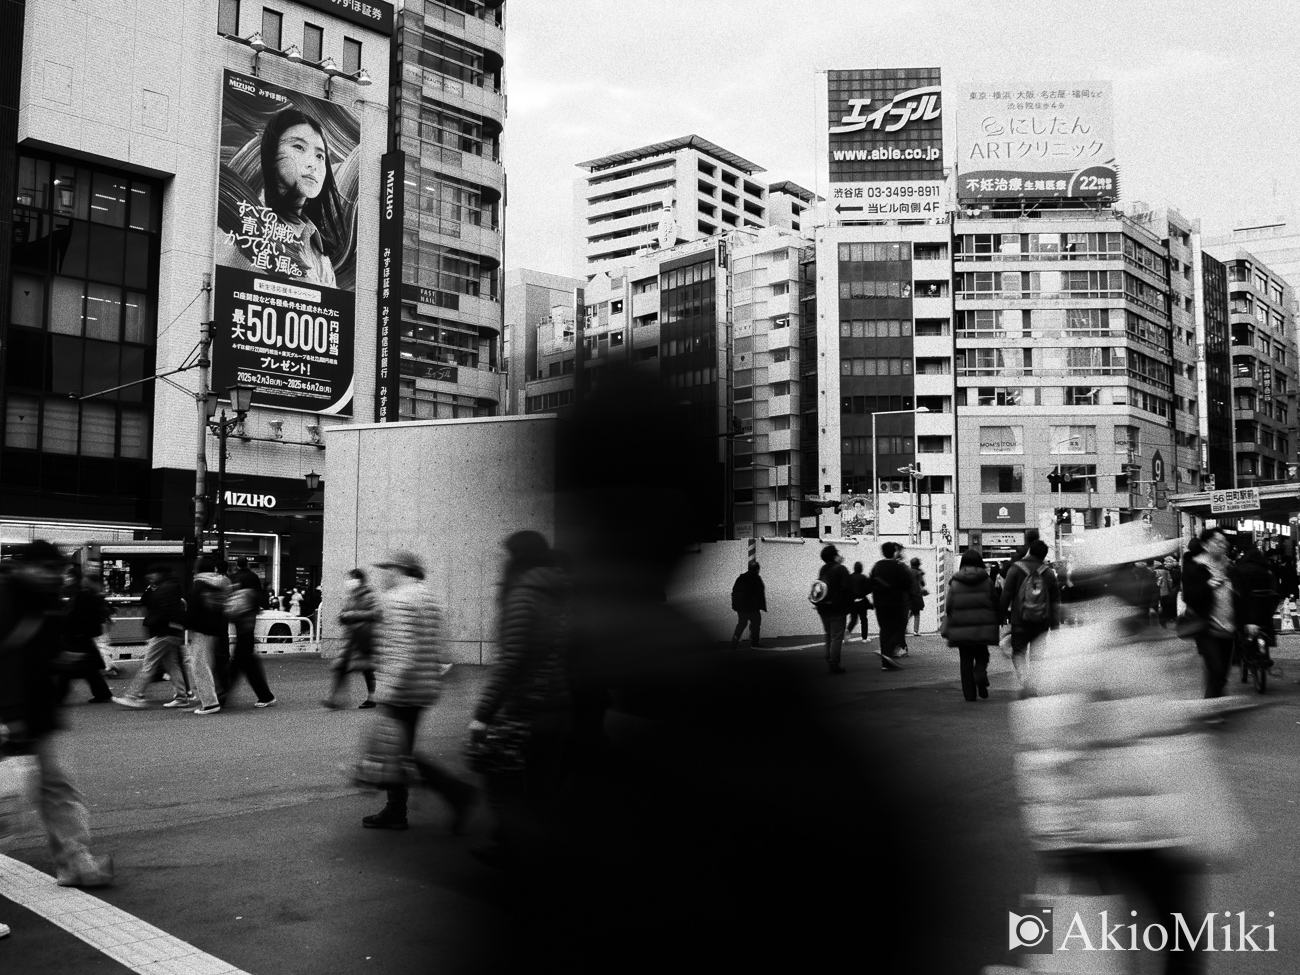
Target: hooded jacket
(528, 675)
(972, 605)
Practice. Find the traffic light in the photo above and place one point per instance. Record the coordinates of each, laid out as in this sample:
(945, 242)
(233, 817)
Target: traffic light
(894, 506)
(1162, 496)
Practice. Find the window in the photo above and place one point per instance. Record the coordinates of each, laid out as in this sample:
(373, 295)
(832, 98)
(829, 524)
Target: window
(616, 307)
(1082, 396)
(781, 288)
(1073, 440)
(1002, 440)
(228, 17)
(1002, 480)
(998, 396)
(1128, 440)
(313, 40)
(272, 25)
(351, 56)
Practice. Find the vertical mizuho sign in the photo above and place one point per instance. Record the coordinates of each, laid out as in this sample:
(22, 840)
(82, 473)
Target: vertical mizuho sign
(392, 201)
(284, 302)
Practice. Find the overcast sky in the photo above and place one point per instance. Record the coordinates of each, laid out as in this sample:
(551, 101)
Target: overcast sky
(1207, 95)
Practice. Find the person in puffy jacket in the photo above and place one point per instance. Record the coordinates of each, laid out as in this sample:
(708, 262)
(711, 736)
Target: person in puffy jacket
(522, 719)
(410, 664)
(205, 618)
(972, 622)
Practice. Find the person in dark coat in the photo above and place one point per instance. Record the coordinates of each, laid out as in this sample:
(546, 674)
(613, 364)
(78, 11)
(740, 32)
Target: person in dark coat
(87, 612)
(749, 600)
(1259, 598)
(860, 587)
(163, 615)
(1024, 632)
(834, 608)
(972, 622)
(30, 645)
(1212, 593)
(892, 585)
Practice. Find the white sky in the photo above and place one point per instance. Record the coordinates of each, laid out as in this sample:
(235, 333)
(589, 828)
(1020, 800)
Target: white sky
(1207, 94)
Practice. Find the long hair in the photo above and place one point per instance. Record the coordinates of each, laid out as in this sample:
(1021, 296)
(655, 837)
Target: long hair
(326, 210)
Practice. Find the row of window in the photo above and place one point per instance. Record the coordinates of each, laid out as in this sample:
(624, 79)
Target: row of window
(885, 446)
(885, 366)
(1062, 439)
(1011, 480)
(876, 328)
(857, 253)
(313, 36)
(548, 401)
(1076, 245)
(61, 426)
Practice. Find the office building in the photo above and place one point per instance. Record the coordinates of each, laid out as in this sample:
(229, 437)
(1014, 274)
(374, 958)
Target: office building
(1214, 371)
(541, 312)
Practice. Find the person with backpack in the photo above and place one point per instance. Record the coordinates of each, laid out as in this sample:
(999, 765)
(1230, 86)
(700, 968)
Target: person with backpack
(892, 585)
(205, 618)
(749, 600)
(1030, 603)
(971, 623)
(832, 597)
(860, 588)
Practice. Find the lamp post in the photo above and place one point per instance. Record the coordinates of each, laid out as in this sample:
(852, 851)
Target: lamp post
(875, 474)
(241, 398)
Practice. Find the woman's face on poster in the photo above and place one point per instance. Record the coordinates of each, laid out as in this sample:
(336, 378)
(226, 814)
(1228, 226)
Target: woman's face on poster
(300, 162)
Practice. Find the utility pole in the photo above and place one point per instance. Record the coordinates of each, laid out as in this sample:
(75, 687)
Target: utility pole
(201, 402)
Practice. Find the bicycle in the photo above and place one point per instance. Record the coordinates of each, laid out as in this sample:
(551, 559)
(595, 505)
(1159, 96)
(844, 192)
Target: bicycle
(1252, 645)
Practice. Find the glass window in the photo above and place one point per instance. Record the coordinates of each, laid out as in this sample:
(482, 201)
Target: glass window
(132, 371)
(1002, 440)
(59, 427)
(104, 260)
(1073, 440)
(21, 421)
(33, 182)
(103, 312)
(103, 362)
(98, 429)
(351, 56)
(135, 434)
(137, 261)
(272, 25)
(25, 358)
(144, 208)
(139, 327)
(65, 364)
(108, 200)
(228, 17)
(313, 40)
(66, 298)
(72, 191)
(27, 300)
(1002, 480)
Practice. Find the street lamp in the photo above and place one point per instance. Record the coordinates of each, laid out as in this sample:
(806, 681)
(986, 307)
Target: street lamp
(875, 473)
(241, 400)
(313, 481)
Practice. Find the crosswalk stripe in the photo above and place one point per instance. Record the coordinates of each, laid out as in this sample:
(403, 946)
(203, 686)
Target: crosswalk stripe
(126, 939)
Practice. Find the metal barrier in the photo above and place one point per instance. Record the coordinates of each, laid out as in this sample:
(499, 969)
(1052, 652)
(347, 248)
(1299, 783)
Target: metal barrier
(271, 635)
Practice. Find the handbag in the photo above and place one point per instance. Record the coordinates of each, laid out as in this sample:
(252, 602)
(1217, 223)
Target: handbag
(383, 762)
(1189, 625)
(500, 749)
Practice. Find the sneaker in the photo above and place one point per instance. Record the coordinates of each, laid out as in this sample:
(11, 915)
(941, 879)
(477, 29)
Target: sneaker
(4, 930)
(210, 709)
(265, 704)
(127, 701)
(385, 820)
(889, 663)
(89, 871)
(758, 646)
(111, 672)
(365, 704)
(182, 702)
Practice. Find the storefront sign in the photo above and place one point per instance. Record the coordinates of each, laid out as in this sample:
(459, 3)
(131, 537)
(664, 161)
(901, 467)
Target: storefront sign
(1003, 514)
(884, 143)
(245, 500)
(392, 204)
(375, 14)
(284, 312)
(1002, 440)
(1230, 502)
(1047, 141)
(1004, 538)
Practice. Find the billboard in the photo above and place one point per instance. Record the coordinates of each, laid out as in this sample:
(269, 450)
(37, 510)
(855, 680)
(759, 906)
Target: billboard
(284, 315)
(1017, 141)
(884, 143)
(392, 205)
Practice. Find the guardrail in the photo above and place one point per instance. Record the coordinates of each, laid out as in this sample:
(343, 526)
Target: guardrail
(271, 635)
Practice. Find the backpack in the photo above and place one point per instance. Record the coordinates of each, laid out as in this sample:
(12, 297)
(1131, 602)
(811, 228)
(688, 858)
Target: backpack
(1035, 604)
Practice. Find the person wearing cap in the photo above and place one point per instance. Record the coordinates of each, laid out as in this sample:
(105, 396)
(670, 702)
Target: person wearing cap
(971, 623)
(30, 644)
(749, 600)
(834, 607)
(892, 587)
(410, 664)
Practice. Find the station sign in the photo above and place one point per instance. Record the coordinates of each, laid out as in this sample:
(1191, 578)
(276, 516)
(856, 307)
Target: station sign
(1232, 502)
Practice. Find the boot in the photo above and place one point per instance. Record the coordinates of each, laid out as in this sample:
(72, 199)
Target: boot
(392, 816)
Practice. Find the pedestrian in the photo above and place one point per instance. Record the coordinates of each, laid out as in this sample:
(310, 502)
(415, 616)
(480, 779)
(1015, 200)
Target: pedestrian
(971, 623)
(833, 607)
(241, 609)
(1258, 598)
(919, 592)
(358, 620)
(205, 618)
(1169, 593)
(1211, 593)
(87, 612)
(163, 623)
(749, 600)
(1030, 604)
(410, 665)
(295, 603)
(1147, 589)
(892, 585)
(29, 703)
(860, 590)
(522, 720)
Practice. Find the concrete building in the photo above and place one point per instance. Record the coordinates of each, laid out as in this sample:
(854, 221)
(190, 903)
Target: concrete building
(1263, 348)
(1214, 371)
(541, 312)
(658, 195)
(887, 435)
(113, 158)
(447, 133)
(1064, 370)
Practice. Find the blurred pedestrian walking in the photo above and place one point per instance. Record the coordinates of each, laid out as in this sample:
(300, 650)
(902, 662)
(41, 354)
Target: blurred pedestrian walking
(86, 615)
(205, 618)
(1211, 592)
(410, 663)
(892, 584)
(1258, 599)
(522, 721)
(971, 624)
(358, 620)
(749, 600)
(833, 602)
(163, 623)
(1030, 604)
(242, 605)
(30, 621)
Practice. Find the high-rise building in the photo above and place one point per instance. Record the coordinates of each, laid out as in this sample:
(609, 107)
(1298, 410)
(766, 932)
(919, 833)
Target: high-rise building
(1214, 371)
(1263, 348)
(659, 195)
(449, 112)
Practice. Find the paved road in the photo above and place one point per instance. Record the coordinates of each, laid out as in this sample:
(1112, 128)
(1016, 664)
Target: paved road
(238, 834)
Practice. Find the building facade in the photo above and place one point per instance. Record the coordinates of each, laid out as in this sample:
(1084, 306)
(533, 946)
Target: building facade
(1214, 372)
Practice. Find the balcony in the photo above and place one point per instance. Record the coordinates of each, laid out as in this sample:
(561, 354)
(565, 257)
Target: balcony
(782, 406)
(781, 372)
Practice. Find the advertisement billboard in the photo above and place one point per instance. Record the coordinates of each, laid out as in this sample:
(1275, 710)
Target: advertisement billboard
(1017, 141)
(392, 204)
(884, 143)
(284, 315)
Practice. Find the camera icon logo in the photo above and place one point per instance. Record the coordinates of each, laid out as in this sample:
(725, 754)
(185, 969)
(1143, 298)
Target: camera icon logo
(1030, 934)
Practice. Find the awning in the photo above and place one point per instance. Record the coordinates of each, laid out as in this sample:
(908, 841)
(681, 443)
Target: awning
(1277, 503)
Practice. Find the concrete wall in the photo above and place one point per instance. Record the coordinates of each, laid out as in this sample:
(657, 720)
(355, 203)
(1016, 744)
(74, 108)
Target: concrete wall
(450, 490)
(703, 583)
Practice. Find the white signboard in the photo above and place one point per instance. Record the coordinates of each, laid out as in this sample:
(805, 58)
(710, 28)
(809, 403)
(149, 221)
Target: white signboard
(1229, 502)
(895, 198)
(1004, 538)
